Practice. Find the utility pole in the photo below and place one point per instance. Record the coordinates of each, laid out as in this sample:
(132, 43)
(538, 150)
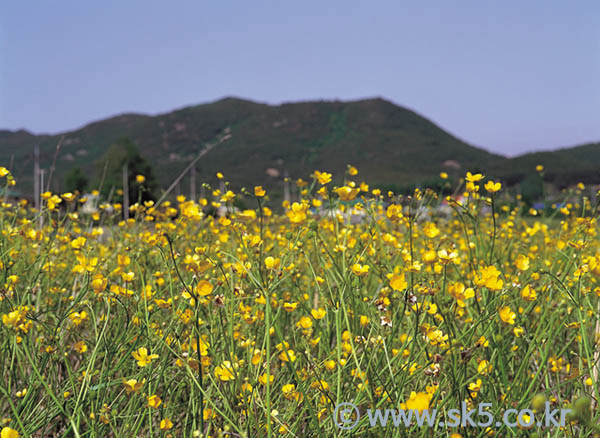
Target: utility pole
(125, 192)
(41, 173)
(36, 177)
(286, 186)
(193, 183)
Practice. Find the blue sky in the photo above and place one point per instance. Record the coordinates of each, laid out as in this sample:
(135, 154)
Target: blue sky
(510, 76)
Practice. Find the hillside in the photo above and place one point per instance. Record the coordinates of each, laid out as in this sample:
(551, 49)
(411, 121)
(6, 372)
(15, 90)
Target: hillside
(388, 143)
(564, 167)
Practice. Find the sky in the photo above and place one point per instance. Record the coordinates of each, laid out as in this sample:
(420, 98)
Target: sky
(510, 76)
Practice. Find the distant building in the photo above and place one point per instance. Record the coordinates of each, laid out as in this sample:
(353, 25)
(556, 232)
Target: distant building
(453, 164)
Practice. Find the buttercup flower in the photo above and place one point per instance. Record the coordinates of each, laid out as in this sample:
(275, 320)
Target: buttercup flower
(142, 357)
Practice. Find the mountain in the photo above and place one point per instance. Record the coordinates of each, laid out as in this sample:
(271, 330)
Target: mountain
(389, 144)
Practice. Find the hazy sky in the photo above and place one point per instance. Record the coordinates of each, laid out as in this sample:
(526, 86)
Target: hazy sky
(510, 76)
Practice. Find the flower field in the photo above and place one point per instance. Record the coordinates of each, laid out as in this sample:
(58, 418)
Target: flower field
(257, 323)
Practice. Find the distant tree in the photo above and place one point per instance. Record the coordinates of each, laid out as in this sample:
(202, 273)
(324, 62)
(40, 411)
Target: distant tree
(76, 180)
(532, 189)
(122, 152)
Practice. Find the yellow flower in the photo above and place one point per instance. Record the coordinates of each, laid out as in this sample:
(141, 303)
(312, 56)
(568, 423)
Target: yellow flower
(256, 357)
(289, 356)
(80, 347)
(522, 262)
(352, 171)
(228, 196)
(431, 230)
(259, 191)
(204, 288)
(394, 212)
(320, 384)
(225, 371)
(123, 260)
(297, 213)
(447, 257)
(359, 269)
(248, 214)
(528, 294)
(318, 313)
(347, 193)
(15, 318)
(539, 168)
(518, 331)
(288, 389)
(163, 304)
(398, 282)
(460, 293)
(475, 386)
(330, 364)
(418, 401)
(272, 262)
(53, 201)
(7, 432)
(507, 315)
(472, 187)
(68, 196)
(489, 277)
(165, 424)
(128, 276)
(492, 186)
(429, 256)
(154, 401)
(262, 379)
(204, 345)
(474, 178)
(3, 172)
(132, 385)
(305, 322)
(484, 367)
(140, 179)
(142, 357)
(323, 177)
(482, 342)
(289, 307)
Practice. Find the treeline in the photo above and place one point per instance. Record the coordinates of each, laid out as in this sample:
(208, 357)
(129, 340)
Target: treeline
(121, 160)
